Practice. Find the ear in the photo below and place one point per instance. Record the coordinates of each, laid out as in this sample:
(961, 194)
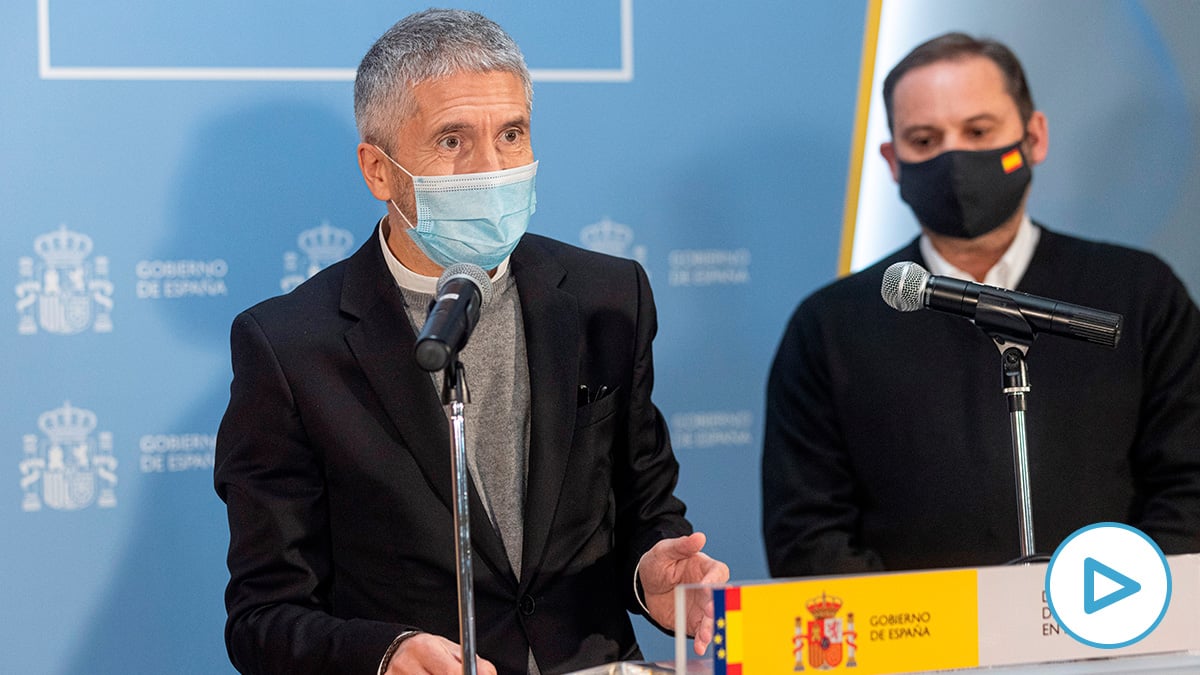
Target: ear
(1037, 137)
(375, 171)
(888, 150)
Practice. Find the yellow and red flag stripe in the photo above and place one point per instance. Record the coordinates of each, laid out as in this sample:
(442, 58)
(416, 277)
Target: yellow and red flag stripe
(1012, 160)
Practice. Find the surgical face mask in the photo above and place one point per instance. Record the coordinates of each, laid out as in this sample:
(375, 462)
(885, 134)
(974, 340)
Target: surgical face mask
(966, 193)
(476, 218)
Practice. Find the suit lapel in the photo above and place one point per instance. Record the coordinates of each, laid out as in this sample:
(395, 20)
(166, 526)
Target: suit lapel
(551, 338)
(383, 343)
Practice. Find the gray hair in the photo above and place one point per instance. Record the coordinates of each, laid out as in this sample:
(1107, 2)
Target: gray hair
(424, 46)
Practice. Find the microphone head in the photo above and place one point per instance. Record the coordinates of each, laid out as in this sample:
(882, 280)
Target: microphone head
(904, 286)
(471, 272)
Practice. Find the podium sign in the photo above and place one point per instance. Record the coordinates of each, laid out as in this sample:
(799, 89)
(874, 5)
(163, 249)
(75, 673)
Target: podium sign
(920, 621)
(871, 624)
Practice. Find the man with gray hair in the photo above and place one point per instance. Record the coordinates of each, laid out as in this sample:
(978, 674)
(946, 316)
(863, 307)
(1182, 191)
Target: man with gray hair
(333, 456)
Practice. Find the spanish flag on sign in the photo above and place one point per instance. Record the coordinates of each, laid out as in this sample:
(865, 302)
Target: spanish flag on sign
(1012, 160)
(727, 637)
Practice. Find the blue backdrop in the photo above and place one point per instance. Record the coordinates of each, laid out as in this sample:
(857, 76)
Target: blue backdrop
(168, 164)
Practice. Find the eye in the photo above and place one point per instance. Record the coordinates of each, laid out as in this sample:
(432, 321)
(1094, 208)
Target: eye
(451, 143)
(511, 135)
(920, 140)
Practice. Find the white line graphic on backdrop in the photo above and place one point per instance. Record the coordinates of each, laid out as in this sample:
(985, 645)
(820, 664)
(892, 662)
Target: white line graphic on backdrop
(50, 72)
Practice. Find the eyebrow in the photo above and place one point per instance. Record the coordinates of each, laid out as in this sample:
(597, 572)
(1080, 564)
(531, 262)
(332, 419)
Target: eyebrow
(451, 127)
(916, 128)
(518, 121)
(981, 117)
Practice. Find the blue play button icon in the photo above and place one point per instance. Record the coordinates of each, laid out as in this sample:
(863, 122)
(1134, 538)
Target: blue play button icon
(1093, 567)
(1092, 601)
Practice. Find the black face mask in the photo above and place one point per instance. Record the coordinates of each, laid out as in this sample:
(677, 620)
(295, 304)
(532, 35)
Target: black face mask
(966, 193)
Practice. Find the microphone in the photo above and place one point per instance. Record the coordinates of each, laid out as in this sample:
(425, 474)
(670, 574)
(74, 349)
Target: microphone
(462, 290)
(908, 287)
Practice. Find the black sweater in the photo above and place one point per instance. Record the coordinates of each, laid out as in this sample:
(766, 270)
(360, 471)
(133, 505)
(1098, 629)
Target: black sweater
(888, 444)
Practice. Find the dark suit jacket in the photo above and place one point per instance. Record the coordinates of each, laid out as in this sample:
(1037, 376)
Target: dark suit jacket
(888, 442)
(333, 459)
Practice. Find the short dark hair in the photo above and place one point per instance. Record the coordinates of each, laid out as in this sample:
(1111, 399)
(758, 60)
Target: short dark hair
(955, 46)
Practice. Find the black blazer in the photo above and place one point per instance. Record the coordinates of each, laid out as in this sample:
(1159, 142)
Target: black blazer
(333, 459)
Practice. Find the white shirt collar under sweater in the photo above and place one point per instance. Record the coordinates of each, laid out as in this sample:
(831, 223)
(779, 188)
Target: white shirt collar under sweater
(406, 278)
(1007, 271)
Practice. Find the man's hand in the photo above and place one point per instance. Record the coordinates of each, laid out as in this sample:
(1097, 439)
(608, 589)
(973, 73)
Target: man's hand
(429, 654)
(679, 561)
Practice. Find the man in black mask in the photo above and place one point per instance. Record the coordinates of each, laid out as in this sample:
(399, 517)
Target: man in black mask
(887, 441)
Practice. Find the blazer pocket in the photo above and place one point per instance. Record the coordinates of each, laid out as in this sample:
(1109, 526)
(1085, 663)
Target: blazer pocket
(596, 411)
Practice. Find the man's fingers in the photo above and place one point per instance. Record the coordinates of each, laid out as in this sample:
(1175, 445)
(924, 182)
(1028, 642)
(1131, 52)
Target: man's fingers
(484, 667)
(427, 653)
(691, 544)
(681, 548)
(717, 573)
(704, 634)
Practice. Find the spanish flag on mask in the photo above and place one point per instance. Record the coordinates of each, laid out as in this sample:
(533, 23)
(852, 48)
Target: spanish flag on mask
(1012, 160)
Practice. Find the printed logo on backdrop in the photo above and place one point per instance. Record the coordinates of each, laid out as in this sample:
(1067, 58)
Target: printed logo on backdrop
(173, 453)
(713, 428)
(171, 279)
(319, 247)
(69, 466)
(63, 291)
(709, 267)
(613, 239)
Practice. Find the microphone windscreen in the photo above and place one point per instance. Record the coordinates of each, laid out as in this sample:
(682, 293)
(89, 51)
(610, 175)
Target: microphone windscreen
(471, 272)
(904, 286)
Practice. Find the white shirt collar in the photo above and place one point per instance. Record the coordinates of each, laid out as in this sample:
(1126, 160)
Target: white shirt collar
(1007, 271)
(410, 280)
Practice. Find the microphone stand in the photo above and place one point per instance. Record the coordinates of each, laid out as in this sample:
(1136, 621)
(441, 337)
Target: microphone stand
(1003, 321)
(455, 394)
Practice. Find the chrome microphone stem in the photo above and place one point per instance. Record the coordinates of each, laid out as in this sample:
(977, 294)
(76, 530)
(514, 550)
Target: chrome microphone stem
(1016, 387)
(455, 392)
(1021, 469)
